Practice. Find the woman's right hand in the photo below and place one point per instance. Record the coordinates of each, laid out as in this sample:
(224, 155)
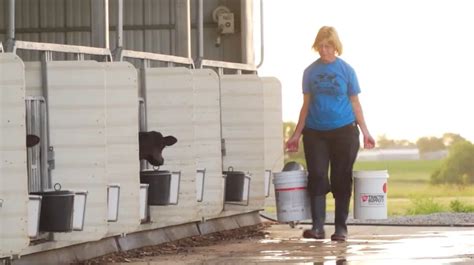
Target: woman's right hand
(292, 144)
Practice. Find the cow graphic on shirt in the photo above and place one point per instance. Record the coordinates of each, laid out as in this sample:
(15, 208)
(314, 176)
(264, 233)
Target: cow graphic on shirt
(326, 83)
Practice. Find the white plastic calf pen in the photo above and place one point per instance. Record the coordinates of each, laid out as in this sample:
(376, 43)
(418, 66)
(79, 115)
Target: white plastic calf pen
(93, 126)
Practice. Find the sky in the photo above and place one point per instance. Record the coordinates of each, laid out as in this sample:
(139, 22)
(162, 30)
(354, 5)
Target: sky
(414, 59)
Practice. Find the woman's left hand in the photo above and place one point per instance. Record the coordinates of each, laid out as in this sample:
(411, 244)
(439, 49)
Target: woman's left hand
(369, 142)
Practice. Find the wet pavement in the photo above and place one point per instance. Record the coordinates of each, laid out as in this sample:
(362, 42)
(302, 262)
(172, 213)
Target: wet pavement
(366, 245)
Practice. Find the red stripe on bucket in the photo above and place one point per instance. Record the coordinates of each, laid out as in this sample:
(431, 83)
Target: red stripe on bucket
(291, 189)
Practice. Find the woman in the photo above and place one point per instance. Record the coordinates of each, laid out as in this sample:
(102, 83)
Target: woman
(329, 121)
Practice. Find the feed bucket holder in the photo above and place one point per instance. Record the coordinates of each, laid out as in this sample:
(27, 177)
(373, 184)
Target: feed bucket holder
(268, 177)
(174, 187)
(200, 180)
(237, 187)
(57, 210)
(144, 213)
(113, 201)
(80, 201)
(163, 186)
(34, 214)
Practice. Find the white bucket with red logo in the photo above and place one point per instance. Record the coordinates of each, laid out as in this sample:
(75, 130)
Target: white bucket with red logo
(292, 199)
(370, 194)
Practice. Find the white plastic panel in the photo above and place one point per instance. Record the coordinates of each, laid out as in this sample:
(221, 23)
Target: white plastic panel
(200, 181)
(207, 126)
(273, 124)
(80, 202)
(143, 202)
(246, 191)
(268, 181)
(174, 187)
(113, 199)
(123, 165)
(170, 107)
(13, 173)
(243, 131)
(77, 119)
(34, 210)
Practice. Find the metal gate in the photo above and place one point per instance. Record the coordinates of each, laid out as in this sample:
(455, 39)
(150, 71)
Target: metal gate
(37, 163)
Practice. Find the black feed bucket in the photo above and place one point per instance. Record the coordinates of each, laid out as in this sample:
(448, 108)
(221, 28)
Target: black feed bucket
(159, 186)
(234, 185)
(57, 208)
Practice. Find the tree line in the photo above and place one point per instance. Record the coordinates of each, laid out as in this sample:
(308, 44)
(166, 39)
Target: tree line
(424, 144)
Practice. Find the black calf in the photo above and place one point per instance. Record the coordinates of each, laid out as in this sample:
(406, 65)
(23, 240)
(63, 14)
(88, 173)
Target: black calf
(152, 144)
(32, 140)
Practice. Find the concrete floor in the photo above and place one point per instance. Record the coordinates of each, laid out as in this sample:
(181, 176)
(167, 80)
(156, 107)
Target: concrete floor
(366, 245)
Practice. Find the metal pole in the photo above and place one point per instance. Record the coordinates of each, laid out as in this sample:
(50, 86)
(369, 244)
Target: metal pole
(117, 53)
(262, 51)
(11, 20)
(200, 31)
(45, 57)
(247, 42)
(120, 24)
(11, 26)
(182, 21)
(106, 24)
(100, 23)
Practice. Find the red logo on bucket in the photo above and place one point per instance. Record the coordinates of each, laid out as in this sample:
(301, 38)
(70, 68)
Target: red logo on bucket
(290, 189)
(372, 199)
(385, 187)
(364, 198)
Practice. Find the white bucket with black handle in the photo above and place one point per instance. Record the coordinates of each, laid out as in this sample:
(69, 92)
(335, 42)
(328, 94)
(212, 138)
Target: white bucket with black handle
(292, 198)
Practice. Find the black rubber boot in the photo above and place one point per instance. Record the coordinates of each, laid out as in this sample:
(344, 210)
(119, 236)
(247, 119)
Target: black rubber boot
(318, 214)
(341, 214)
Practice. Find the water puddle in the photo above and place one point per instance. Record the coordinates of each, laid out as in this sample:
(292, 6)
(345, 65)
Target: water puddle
(366, 245)
(422, 247)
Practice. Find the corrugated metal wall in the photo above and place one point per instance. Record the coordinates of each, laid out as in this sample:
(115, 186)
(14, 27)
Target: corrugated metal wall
(55, 21)
(149, 25)
(229, 49)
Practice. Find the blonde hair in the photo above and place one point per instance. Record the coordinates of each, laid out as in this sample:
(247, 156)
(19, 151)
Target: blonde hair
(328, 34)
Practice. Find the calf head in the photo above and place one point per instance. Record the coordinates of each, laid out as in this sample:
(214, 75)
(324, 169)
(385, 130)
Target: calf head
(32, 140)
(151, 145)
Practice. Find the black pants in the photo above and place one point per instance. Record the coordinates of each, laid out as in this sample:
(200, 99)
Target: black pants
(335, 148)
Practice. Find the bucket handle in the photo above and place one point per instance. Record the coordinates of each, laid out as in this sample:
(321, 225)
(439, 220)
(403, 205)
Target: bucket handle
(267, 181)
(57, 186)
(231, 168)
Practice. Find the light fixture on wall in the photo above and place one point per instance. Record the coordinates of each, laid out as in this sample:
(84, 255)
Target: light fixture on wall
(225, 22)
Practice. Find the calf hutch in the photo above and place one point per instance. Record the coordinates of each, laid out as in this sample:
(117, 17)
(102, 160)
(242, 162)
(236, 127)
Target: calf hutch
(128, 123)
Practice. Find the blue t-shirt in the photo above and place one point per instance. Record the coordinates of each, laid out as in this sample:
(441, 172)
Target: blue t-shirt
(330, 86)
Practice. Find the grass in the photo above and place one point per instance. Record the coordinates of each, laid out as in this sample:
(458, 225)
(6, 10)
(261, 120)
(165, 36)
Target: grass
(409, 206)
(409, 190)
(424, 206)
(461, 207)
(410, 171)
